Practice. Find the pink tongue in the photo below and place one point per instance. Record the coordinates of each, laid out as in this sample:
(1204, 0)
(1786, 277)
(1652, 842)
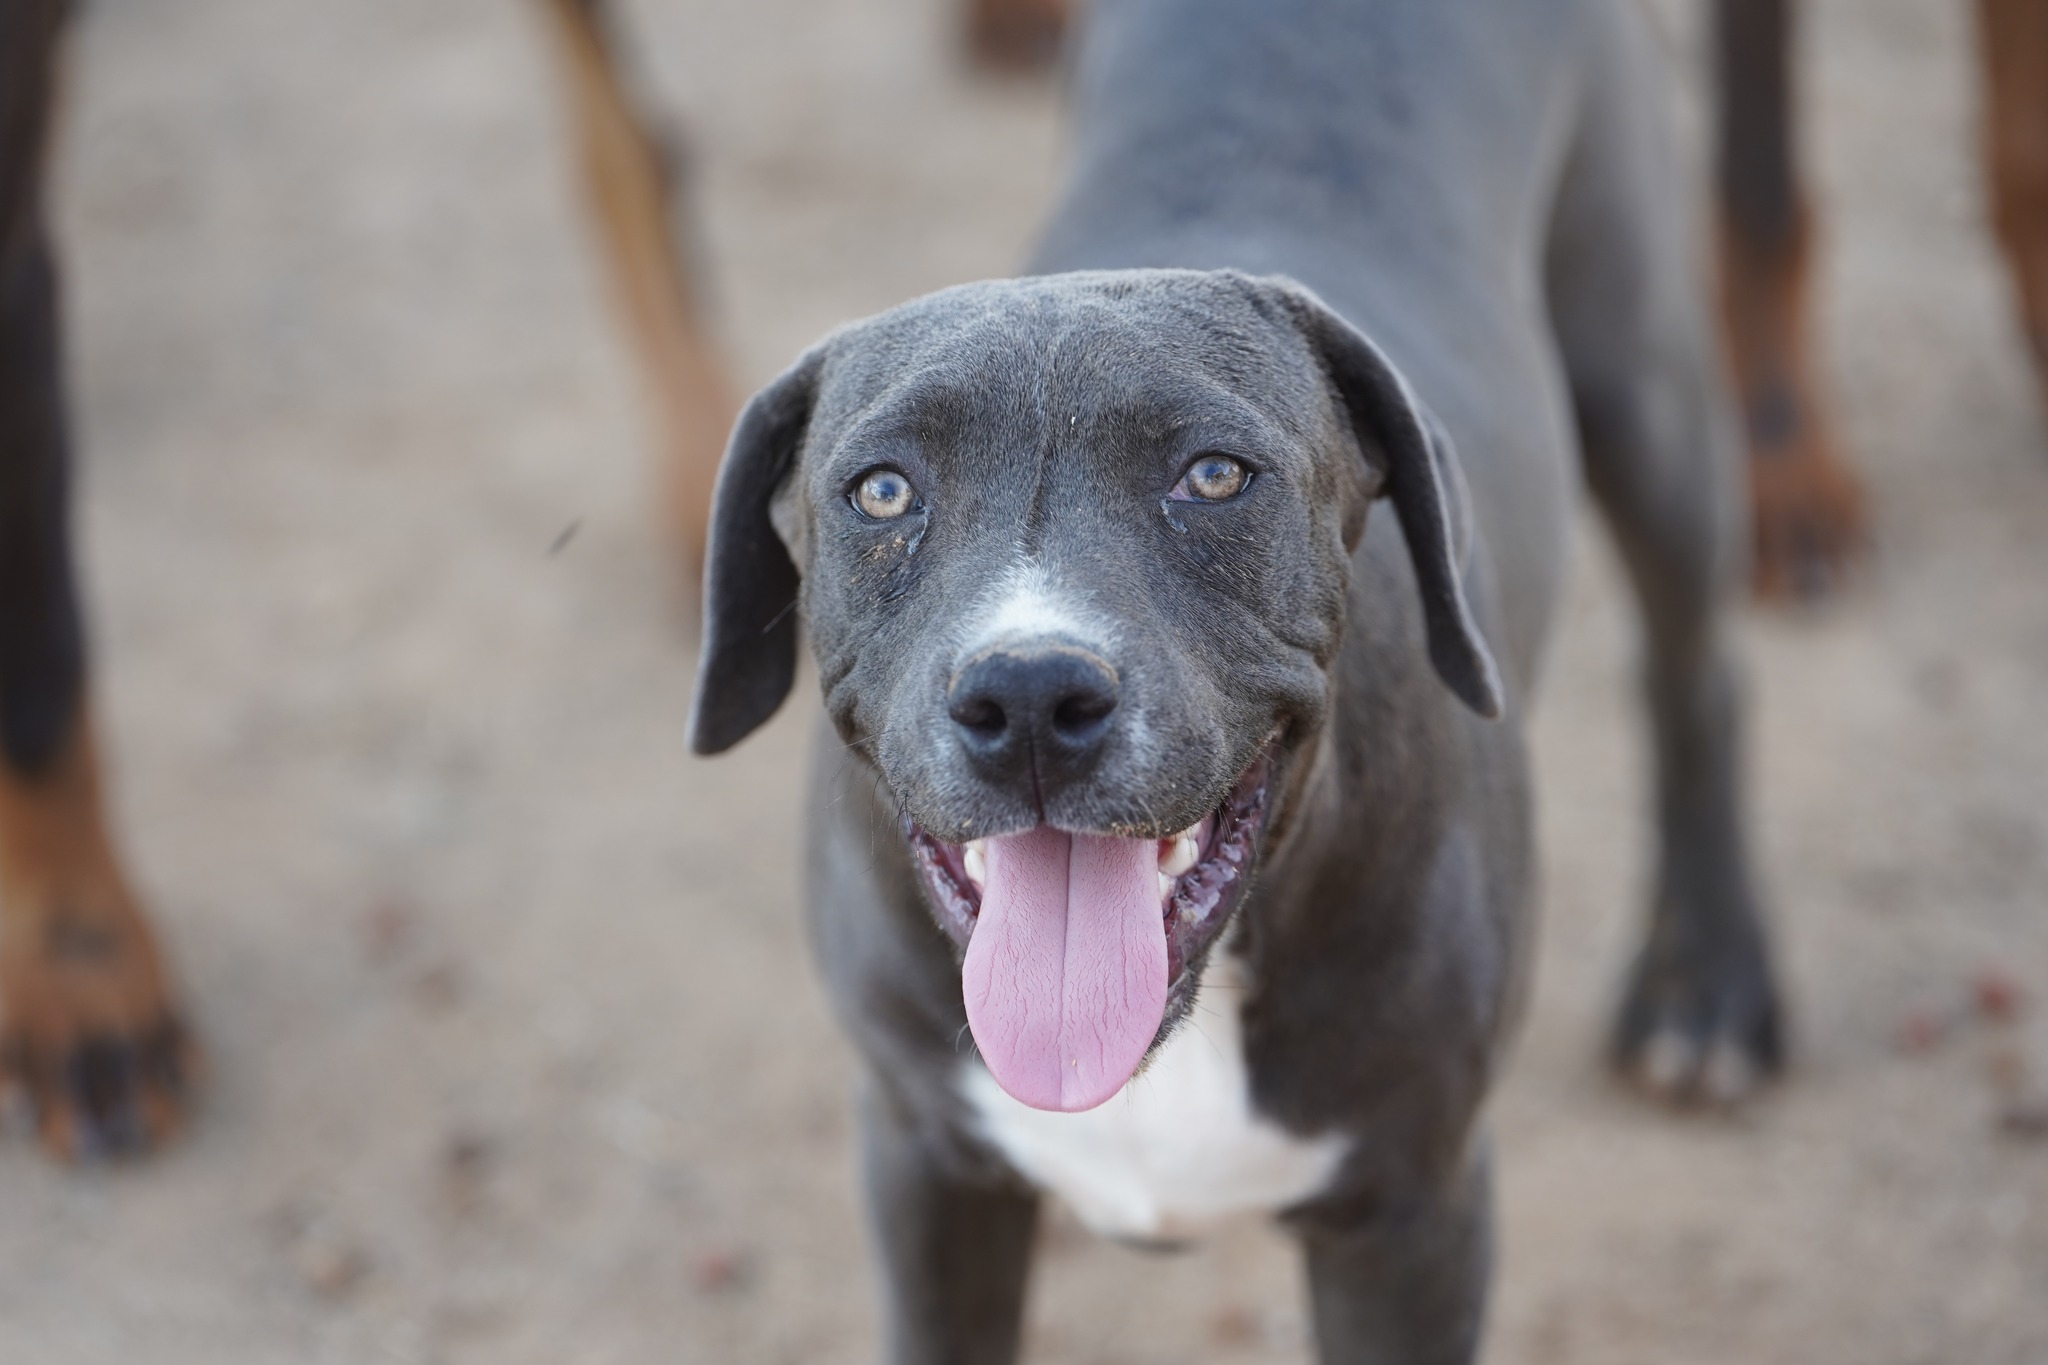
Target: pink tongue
(1065, 977)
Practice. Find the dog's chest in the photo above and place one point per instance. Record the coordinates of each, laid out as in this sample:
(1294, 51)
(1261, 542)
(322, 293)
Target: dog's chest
(1178, 1147)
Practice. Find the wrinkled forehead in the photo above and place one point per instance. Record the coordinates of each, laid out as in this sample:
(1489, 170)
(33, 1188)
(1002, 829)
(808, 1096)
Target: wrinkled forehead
(1150, 352)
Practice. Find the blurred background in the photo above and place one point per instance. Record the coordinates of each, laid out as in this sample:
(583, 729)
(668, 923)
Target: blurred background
(517, 1054)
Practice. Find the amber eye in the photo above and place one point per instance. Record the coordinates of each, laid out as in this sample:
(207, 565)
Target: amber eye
(884, 495)
(1214, 478)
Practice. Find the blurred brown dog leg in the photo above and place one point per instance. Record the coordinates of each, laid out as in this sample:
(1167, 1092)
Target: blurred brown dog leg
(1808, 506)
(90, 1036)
(1017, 36)
(88, 1033)
(634, 182)
(2014, 35)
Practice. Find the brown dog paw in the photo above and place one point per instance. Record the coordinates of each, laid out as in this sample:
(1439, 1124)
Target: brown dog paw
(1806, 503)
(1699, 1023)
(1016, 36)
(89, 1039)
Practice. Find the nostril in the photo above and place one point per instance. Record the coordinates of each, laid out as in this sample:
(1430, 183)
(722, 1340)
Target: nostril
(981, 715)
(1081, 715)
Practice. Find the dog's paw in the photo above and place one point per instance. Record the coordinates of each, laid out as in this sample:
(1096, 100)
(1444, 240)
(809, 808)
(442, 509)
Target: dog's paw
(1699, 1022)
(1807, 512)
(90, 1042)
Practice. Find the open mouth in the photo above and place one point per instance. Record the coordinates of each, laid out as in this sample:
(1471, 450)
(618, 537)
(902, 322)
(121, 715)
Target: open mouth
(1076, 943)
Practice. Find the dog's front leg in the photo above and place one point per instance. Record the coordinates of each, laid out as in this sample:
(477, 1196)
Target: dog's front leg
(88, 1030)
(955, 1251)
(1404, 1284)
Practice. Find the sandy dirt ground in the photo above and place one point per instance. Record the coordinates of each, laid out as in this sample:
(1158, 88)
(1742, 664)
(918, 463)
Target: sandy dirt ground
(517, 1052)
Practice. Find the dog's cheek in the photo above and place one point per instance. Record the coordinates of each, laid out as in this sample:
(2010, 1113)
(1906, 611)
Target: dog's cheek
(1306, 592)
(1221, 560)
(884, 567)
(862, 579)
(1274, 669)
(880, 661)
(1278, 576)
(1263, 595)
(863, 698)
(833, 648)
(1275, 660)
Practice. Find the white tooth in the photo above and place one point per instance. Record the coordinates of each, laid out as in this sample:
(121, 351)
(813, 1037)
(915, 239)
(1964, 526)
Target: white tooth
(976, 862)
(1165, 886)
(1184, 855)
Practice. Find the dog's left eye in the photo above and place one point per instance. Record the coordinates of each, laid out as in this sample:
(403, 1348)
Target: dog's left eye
(1213, 478)
(883, 495)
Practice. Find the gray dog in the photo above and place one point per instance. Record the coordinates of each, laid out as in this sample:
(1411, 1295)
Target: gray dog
(1157, 752)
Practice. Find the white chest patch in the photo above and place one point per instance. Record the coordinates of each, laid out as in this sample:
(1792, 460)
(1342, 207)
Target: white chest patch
(1178, 1147)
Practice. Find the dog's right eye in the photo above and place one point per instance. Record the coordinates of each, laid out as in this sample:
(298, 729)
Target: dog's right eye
(1213, 478)
(883, 495)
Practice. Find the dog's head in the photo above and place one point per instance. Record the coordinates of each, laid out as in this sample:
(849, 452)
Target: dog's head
(1073, 553)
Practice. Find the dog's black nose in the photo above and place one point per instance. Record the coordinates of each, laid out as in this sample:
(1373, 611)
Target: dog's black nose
(1043, 709)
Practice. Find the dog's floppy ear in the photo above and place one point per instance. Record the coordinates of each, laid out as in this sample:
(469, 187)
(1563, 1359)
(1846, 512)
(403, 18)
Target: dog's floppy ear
(1422, 479)
(750, 584)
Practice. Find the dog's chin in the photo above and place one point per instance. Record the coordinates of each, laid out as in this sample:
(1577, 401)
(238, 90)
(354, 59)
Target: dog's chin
(1203, 872)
